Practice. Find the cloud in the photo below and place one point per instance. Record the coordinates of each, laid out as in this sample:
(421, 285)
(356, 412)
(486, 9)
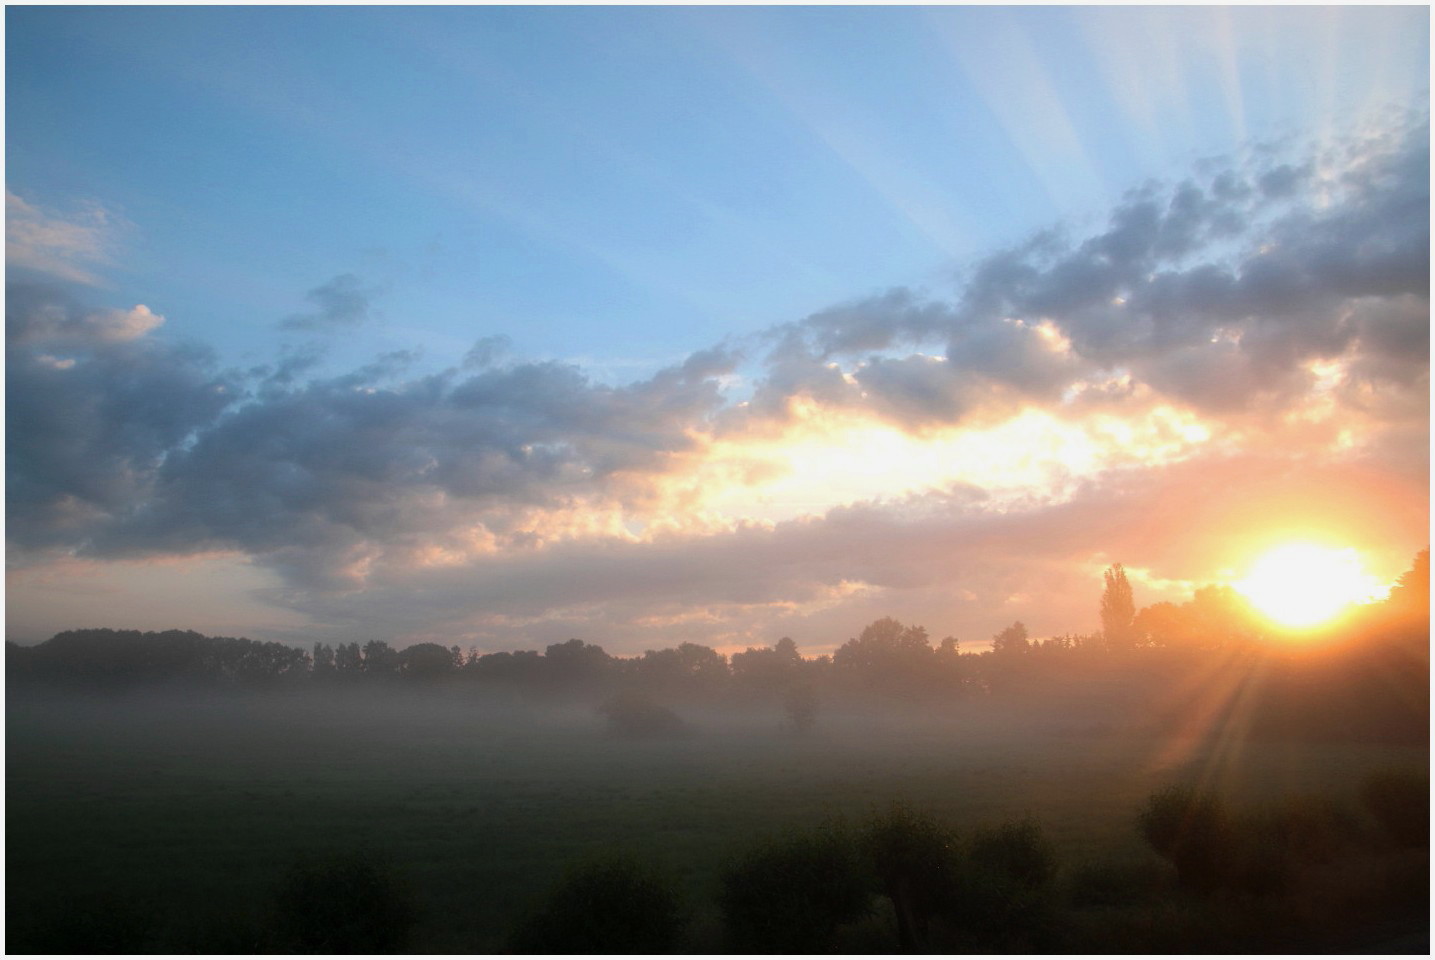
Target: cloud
(327, 480)
(1224, 340)
(487, 351)
(1216, 294)
(94, 405)
(950, 562)
(58, 246)
(342, 302)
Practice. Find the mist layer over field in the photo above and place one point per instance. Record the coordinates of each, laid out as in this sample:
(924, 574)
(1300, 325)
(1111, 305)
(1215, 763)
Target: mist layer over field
(179, 810)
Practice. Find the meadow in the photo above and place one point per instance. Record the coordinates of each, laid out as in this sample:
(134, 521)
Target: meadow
(180, 810)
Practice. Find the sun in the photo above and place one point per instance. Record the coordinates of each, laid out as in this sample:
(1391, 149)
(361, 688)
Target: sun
(1302, 585)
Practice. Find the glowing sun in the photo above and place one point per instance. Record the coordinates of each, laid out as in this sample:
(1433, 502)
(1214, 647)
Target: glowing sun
(1303, 584)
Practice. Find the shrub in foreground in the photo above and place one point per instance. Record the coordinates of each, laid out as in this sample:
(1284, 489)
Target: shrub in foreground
(791, 893)
(1273, 843)
(917, 863)
(608, 905)
(1002, 894)
(1191, 830)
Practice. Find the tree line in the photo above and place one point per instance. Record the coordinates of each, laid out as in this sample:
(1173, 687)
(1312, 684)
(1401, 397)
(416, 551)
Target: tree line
(1383, 664)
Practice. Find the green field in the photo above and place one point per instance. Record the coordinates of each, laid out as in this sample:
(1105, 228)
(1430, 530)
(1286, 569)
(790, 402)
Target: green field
(187, 808)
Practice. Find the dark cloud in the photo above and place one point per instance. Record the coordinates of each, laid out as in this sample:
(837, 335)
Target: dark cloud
(342, 302)
(93, 408)
(315, 479)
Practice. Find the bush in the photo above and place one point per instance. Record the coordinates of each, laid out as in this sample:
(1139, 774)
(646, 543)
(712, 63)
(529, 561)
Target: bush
(799, 702)
(343, 903)
(1400, 801)
(1193, 832)
(1274, 843)
(635, 715)
(917, 862)
(1002, 890)
(791, 893)
(609, 905)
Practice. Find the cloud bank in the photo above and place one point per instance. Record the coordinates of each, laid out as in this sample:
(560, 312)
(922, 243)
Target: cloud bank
(1249, 346)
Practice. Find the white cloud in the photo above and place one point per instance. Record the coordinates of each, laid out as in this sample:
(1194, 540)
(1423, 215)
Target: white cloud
(63, 247)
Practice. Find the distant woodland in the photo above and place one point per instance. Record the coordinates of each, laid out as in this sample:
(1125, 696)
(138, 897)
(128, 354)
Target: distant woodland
(1164, 663)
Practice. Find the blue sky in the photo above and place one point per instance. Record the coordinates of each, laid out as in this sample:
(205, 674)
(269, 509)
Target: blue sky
(624, 185)
(616, 190)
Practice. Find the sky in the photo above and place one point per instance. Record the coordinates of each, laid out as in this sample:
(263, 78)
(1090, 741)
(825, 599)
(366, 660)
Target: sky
(499, 325)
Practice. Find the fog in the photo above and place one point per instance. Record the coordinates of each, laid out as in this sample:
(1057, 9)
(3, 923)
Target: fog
(166, 816)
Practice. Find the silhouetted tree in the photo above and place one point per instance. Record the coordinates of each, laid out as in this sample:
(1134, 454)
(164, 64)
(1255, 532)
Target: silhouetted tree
(348, 660)
(380, 659)
(767, 669)
(886, 655)
(575, 664)
(689, 668)
(1011, 641)
(425, 661)
(1410, 597)
(1118, 609)
(323, 661)
(612, 905)
(790, 893)
(1216, 617)
(520, 667)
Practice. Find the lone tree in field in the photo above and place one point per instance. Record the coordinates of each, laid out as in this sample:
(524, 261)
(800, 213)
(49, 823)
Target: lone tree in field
(1118, 610)
(633, 714)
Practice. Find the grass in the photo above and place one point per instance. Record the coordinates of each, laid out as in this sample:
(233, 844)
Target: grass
(194, 808)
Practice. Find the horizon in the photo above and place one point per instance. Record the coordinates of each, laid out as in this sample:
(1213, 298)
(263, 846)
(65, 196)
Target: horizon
(502, 326)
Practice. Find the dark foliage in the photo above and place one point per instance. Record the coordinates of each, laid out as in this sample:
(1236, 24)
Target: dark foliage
(1400, 801)
(343, 903)
(791, 893)
(611, 905)
(799, 702)
(633, 714)
(1272, 844)
(125, 657)
(1369, 683)
(917, 863)
(1191, 830)
(425, 661)
(1002, 897)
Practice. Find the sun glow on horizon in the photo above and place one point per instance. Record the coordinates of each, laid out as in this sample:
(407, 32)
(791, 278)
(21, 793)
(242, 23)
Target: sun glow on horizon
(1302, 585)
